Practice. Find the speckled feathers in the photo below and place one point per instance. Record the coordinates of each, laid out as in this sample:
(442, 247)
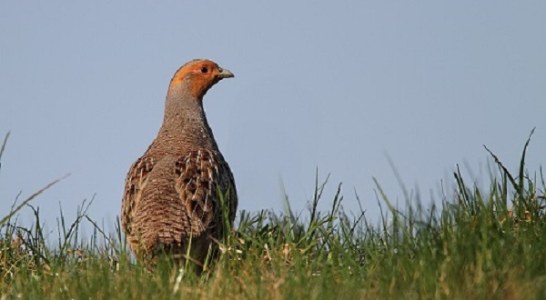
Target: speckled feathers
(173, 192)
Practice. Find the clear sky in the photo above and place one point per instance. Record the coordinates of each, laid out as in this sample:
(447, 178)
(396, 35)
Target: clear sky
(338, 85)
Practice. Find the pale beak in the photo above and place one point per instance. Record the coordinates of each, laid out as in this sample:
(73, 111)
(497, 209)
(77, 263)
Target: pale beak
(224, 73)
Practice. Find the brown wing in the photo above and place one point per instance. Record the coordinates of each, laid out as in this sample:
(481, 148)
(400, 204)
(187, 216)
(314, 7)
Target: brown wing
(136, 177)
(228, 189)
(203, 176)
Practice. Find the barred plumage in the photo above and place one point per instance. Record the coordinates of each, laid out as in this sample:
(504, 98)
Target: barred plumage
(173, 192)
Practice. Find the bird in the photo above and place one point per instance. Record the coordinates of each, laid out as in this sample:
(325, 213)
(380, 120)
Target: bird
(180, 196)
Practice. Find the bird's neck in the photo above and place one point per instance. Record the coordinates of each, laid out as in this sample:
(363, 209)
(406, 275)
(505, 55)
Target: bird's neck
(185, 123)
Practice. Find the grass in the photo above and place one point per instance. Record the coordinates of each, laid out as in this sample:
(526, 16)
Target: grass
(474, 244)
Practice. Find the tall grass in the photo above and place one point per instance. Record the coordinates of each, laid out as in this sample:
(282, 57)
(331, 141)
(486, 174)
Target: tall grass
(474, 244)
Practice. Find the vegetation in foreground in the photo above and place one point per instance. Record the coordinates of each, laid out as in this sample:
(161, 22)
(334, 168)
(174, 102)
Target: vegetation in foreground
(476, 244)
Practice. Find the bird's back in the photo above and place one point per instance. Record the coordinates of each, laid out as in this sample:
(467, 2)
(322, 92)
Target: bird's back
(172, 198)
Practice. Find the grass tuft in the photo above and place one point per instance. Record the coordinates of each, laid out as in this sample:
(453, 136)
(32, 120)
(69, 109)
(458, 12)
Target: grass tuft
(473, 243)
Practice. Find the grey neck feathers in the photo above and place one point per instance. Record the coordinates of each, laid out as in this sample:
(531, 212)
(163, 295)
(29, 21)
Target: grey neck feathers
(185, 123)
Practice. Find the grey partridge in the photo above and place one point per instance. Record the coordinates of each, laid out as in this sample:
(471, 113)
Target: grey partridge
(181, 193)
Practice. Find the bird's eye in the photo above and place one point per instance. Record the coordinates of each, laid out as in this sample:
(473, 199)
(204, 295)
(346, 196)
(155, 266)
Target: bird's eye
(204, 70)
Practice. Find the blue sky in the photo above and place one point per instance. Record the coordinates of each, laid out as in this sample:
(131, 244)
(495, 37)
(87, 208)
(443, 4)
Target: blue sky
(336, 85)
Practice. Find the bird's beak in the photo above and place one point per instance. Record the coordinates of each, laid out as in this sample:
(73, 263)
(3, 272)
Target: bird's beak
(224, 73)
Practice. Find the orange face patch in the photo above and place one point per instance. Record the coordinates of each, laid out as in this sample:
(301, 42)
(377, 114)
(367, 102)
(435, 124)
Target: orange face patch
(201, 73)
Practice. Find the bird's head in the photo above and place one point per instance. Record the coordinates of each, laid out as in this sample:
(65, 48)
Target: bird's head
(199, 75)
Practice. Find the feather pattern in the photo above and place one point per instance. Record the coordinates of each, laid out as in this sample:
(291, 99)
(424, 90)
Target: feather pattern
(175, 193)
